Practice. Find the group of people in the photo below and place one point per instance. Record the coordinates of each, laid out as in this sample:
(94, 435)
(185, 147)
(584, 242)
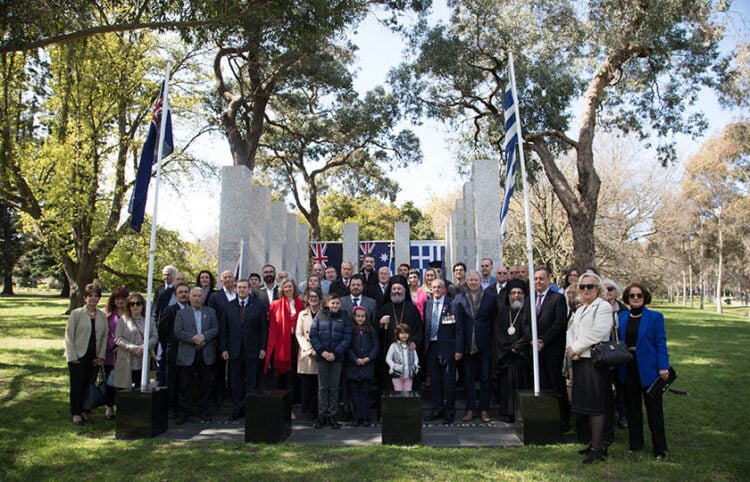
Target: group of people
(341, 338)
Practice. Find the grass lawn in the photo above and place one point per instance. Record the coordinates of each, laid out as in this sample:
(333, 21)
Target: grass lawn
(708, 432)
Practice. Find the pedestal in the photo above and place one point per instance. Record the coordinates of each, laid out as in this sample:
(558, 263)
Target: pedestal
(402, 418)
(141, 414)
(268, 416)
(539, 417)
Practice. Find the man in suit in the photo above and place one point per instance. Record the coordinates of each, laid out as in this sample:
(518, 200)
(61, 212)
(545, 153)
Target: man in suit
(242, 342)
(341, 285)
(167, 274)
(218, 301)
(168, 340)
(485, 268)
(196, 329)
(269, 290)
(356, 297)
(443, 347)
(501, 279)
(379, 290)
(475, 311)
(551, 321)
(368, 270)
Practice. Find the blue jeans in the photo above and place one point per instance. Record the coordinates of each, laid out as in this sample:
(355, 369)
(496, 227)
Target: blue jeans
(477, 366)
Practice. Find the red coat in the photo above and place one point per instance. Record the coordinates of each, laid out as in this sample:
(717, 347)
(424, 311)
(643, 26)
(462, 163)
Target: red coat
(281, 327)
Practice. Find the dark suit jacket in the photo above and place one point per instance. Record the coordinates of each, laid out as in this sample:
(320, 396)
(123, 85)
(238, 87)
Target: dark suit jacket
(218, 301)
(376, 294)
(450, 336)
(552, 323)
(371, 280)
(184, 330)
(339, 287)
(368, 303)
(166, 325)
(262, 294)
(482, 322)
(249, 333)
(161, 302)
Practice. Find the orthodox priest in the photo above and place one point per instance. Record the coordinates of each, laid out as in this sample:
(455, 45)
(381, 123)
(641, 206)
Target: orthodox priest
(511, 338)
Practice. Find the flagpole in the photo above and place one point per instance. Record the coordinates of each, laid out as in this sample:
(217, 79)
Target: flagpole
(152, 245)
(242, 255)
(529, 243)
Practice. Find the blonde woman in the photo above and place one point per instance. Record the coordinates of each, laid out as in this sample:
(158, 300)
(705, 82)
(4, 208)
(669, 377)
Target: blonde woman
(592, 323)
(129, 338)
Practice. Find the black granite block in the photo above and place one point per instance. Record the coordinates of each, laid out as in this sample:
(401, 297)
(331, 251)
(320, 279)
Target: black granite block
(539, 417)
(141, 414)
(268, 416)
(402, 418)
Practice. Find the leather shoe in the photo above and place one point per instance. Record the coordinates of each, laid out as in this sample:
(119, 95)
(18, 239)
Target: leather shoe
(181, 420)
(433, 416)
(236, 415)
(622, 423)
(335, 424)
(468, 416)
(595, 456)
(448, 420)
(320, 422)
(486, 416)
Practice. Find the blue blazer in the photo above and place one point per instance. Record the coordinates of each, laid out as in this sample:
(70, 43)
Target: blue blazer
(651, 346)
(482, 323)
(450, 336)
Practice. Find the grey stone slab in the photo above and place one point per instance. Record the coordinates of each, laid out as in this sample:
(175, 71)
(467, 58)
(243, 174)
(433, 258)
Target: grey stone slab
(351, 244)
(235, 223)
(259, 204)
(303, 251)
(460, 236)
(485, 178)
(470, 226)
(290, 246)
(402, 241)
(276, 228)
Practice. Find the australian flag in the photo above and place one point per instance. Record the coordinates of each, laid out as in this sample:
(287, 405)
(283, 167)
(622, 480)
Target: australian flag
(137, 207)
(382, 250)
(327, 254)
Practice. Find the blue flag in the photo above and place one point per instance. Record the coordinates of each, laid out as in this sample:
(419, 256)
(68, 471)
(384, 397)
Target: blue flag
(137, 206)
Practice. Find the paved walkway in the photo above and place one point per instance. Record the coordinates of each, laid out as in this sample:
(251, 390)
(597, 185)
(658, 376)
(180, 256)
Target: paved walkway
(457, 434)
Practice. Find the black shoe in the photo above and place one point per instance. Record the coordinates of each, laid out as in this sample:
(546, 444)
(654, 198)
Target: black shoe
(236, 414)
(310, 417)
(335, 424)
(205, 416)
(448, 420)
(585, 451)
(595, 456)
(622, 423)
(433, 416)
(356, 423)
(366, 423)
(181, 420)
(320, 422)
(78, 422)
(509, 419)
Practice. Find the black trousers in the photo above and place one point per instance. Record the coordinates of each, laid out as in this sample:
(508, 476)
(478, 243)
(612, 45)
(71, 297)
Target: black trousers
(81, 375)
(172, 375)
(359, 392)
(635, 394)
(243, 375)
(199, 375)
(443, 376)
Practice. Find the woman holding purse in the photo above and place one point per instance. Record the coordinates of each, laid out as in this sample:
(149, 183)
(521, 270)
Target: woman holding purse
(129, 338)
(644, 333)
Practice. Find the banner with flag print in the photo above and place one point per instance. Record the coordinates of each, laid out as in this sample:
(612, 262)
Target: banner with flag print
(327, 254)
(422, 252)
(149, 156)
(511, 141)
(382, 250)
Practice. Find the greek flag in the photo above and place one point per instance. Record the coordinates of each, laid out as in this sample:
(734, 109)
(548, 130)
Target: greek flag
(511, 140)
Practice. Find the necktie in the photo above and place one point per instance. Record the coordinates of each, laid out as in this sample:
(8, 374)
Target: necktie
(435, 320)
(356, 301)
(242, 309)
(539, 298)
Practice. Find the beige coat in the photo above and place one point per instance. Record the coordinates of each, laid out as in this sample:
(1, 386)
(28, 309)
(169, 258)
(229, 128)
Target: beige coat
(78, 331)
(126, 336)
(306, 363)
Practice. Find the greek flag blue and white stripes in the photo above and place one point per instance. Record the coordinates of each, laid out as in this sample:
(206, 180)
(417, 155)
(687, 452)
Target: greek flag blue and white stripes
(511, 141)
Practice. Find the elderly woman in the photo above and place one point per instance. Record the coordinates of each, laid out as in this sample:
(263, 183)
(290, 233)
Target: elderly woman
(307, 367)
(114, 310)
(129, 338)
(85, 348)
(644, 333)
(592, 323)
(281, 353)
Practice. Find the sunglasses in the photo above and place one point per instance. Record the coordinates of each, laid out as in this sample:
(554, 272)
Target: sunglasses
(587, 287)
(135, 303)
(635, 296)
(610, 288)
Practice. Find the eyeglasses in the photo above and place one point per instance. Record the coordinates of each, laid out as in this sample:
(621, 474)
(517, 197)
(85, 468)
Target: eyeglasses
(610, 288)
(587, 287)
(135, 303)
(635, 296)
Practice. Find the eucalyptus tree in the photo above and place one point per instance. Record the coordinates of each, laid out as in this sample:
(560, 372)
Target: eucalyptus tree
(581, 68)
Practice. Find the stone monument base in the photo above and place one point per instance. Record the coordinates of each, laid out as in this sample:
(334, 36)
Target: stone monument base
(141, 414)
(402, 418)
(268, 416)
(539, 417)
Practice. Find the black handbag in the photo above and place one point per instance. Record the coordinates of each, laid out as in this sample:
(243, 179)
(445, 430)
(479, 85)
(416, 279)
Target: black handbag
(96, 391)
(610, 353)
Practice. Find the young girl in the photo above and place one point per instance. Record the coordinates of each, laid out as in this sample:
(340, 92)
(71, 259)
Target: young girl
(403, 363)
(360, 368)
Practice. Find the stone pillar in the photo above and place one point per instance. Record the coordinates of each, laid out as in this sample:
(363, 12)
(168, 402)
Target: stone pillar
(351, 245)
(235, 224)
(402, 241)
(451, 240)
(255, 249)
(486, 180)
(289, 262)
(471, 226)
(276, 228)
(460, 253)
(303, 250)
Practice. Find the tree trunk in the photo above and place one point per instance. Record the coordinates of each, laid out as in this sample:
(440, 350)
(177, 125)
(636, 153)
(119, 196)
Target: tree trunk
(7, 284)
(65, 290)
(720, 270)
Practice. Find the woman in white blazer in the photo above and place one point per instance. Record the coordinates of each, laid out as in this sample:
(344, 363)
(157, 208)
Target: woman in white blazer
(592, 323)
(85, 348)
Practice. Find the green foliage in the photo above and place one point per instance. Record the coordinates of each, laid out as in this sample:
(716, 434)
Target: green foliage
(375, 218)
